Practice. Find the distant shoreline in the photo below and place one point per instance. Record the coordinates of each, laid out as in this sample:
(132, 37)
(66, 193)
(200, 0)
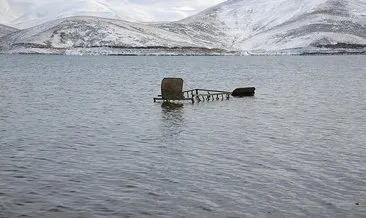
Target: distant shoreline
(171, 51)
(185, 54)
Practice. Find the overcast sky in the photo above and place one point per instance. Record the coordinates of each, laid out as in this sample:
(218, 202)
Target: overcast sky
(172, 9)
(158, 10)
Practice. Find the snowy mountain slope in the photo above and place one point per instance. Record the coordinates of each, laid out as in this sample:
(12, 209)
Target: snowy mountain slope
(204, 27)
(25, 14)
(242, 26)
(91, 32)
(5, 30)
(286, 24)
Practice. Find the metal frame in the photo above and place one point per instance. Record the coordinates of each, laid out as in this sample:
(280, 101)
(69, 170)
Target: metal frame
(198, 95)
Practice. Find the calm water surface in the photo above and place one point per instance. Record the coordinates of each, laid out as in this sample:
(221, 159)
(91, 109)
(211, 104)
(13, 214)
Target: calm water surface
(81, 137)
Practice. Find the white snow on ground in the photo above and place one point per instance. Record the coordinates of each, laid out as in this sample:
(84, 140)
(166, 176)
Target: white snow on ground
(242, 26)
(285, 24)
(97, 32)
(5, 30)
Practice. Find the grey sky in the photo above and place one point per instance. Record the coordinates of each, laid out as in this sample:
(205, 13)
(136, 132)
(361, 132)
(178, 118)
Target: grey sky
(172, 9)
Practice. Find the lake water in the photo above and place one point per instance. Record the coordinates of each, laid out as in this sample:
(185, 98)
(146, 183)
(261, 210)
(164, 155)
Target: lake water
(81, 137)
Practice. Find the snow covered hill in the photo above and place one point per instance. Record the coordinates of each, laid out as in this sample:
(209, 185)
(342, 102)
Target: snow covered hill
(232, 27)
(5, 30)
(280, 25)
(91, 35)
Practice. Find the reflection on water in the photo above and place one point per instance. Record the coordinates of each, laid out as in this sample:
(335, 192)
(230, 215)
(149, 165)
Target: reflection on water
(171, 106)
(172, 121)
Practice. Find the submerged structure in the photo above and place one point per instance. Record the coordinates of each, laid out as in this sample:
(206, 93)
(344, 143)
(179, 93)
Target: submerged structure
(172, 90)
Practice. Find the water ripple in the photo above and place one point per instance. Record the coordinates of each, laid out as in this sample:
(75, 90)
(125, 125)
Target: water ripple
(84, 139)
